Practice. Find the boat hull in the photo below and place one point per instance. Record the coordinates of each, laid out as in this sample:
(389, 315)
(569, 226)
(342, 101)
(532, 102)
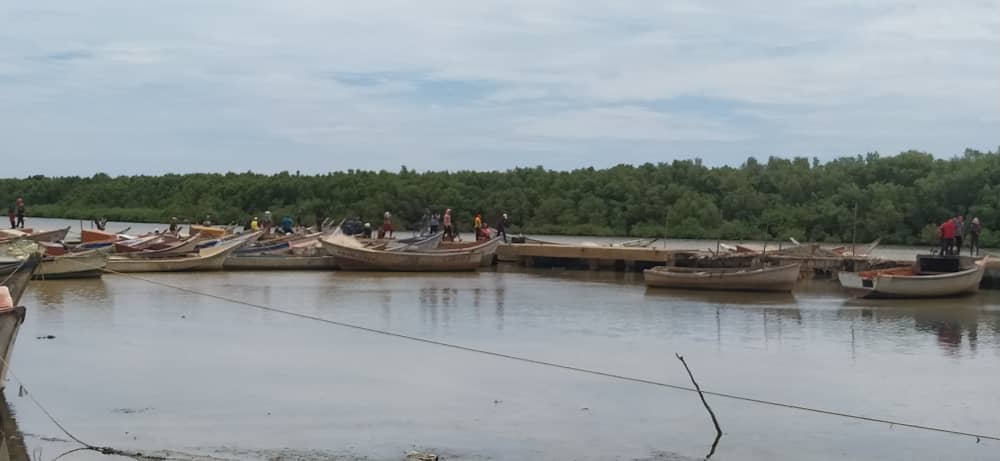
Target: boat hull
(278, 262)
(363, 259)
(781, 278)
(207, 259)
(913, 286)
(10, 324)
(72, 266)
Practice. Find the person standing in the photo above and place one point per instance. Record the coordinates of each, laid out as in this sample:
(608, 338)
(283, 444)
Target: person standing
(974, 231)
(268, 222)
(387, 228)
(959, 233)
(502, 227)
(12, 215)
(174, 227)
(449, 232)
(947, 231)
(20, 212)
(435, 223)
(477, 225)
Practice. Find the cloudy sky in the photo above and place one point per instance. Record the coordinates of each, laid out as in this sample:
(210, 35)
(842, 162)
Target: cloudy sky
(152, 87)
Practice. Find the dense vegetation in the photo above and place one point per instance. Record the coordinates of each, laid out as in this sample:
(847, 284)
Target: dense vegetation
(899, 198)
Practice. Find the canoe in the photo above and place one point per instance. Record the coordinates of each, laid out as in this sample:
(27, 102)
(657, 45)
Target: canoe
(778, 278)
(360, 258)
(909, 282)
(15, 273)
(10, 322)
(207, 259)
(46, 236)
(87, 264)
(278, 262)
(179, 248)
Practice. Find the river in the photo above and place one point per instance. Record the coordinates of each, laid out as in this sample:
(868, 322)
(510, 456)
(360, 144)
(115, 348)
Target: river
(147, 367)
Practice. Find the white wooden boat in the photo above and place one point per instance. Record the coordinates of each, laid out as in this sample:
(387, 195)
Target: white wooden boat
(909, 282)
(778, 278)
(44, 236)
(487, 248)
(423, 243)
(181, 248)
(992, 268)
(87, 264)
(207, 259)
(271, 262)
(349, 257)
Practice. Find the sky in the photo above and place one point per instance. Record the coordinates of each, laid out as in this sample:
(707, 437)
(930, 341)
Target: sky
(152, 87)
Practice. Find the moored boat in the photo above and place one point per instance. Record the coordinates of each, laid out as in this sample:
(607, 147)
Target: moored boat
(207, 259)
(350, 257)
(269, 262)
(209, 231)
(929, 277)
(487, 248)
(88, 264)
(776, 278)
(421, 243)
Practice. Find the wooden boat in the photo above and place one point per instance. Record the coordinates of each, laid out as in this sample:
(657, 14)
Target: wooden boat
(208, 231)
(278, 262)
(992, 268)
(97, 236)
(917, 281)
(15, 273)
(487, 248)
(422, 243)
(359, 258)
(178, 248)
(88, 264)
(207, 259)
(777, 278)
(46, 236)
(10, 322)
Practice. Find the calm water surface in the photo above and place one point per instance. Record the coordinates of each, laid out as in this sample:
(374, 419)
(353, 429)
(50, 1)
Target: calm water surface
(145, 367)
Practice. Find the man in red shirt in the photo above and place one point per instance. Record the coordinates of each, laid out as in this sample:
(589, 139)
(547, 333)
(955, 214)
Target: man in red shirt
(947, 230)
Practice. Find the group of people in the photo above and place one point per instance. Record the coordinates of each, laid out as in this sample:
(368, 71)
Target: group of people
(433, 222)
(953, 232)
(286, 226)
(16, 213)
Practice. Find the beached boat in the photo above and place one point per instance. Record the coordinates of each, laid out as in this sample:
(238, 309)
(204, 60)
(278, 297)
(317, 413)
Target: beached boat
(15, 272)
(351, 257)
(929, 277)
(268, 262)
(88, 264)
(777, 278)
(45, 236)
(207, 259)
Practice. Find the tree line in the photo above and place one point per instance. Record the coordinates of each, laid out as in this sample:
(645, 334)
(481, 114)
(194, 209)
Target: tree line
(899, 198)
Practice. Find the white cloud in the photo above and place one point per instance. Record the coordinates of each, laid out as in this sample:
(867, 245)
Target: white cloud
(573, 78)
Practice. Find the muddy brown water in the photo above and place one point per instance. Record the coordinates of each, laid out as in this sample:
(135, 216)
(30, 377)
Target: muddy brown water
(145, 367)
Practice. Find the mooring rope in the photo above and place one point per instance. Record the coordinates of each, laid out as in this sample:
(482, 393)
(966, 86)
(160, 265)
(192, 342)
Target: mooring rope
(544, 363)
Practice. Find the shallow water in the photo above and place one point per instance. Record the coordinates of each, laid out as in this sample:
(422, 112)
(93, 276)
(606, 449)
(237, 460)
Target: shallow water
(146, 367)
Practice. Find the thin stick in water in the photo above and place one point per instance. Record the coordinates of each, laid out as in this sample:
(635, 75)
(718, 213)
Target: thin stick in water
(715, 421)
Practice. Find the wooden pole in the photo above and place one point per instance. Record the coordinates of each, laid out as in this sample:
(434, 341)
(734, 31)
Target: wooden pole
(854, 231)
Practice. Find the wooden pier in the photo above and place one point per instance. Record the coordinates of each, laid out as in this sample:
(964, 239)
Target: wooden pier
(637, 259)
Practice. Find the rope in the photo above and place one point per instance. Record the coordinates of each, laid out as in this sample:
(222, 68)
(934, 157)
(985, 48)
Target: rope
(544, 363)
(12, 273)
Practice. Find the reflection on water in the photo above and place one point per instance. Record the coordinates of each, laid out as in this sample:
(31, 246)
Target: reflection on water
(336, 388)
(12, 446)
